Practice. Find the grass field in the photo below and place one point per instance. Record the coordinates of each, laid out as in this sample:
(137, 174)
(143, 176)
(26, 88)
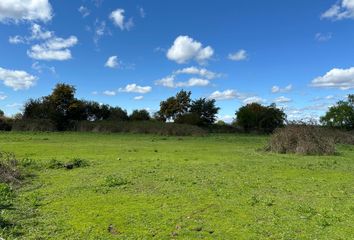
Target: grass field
(153, 187)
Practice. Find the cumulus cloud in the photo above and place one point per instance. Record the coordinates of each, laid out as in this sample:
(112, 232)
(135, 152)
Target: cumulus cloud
(336, 78)
(193, 82)
(84, 11)
(137, 98)
(226, 95)
(109, 93)
(282, 99)
(118, 18)
(134, 88)
(186, 48)
(53, 49)
(166, 82)
(16, 39)
(239, 55)
(25, 10)
(198, 71)
(112, 62)
(277, 89)
(253, 99)
(16, 79)
(343, 9)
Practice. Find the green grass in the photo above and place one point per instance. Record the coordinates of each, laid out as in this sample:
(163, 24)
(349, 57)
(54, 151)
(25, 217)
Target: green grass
(153, 187)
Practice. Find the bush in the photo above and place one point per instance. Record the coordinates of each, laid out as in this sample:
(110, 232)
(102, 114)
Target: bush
(41, 125)
(145, 127)
(5, 124)
(115, 181)
(301, 139)
(189, 118)
(9, 171)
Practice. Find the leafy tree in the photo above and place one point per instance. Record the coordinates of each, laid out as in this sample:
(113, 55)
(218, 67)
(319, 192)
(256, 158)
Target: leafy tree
(189, 118)
(118, 114)
(260, 118)
(2, 113)
(205, 109)
(176, 106)
(140, 115)
(341, 115)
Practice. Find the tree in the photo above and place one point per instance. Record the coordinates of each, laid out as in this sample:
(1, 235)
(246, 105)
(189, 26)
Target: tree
(140, 115)
(174, 107)
(205, 109)
(118, 114)
(2, 113)
(341, 115)
(254, 116)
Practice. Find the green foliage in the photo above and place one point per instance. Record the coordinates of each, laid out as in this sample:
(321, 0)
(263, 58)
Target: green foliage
(190, 118)
(2, 113)
(255, 117)
(173, 107)
(115, 181)
(341, 115)
(140, 115)
(205, 109)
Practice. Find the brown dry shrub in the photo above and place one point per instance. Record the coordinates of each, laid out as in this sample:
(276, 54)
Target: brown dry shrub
(302, 139)
(9, 171)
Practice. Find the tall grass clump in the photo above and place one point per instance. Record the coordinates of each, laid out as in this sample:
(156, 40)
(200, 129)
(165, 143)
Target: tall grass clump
(9, 169)
(303, 140)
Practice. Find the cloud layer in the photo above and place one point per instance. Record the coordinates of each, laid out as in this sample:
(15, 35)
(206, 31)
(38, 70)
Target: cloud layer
(336, 78)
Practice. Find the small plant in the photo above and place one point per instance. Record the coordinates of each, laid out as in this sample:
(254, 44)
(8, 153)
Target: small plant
(55, 164)
(115, 181)
(9, 171)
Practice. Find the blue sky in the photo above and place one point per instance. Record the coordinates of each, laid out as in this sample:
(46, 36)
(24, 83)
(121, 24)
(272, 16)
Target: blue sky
(134, 54)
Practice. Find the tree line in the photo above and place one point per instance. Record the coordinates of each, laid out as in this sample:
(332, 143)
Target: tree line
(63, 109)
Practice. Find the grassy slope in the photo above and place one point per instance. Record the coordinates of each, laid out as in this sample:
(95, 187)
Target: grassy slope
(216, 187)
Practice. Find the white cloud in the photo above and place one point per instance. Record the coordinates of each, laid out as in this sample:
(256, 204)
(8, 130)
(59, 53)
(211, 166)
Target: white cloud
(323, 37)
(193, 82)
(118, 18)
(198, 71)
(53, 49)
(109, 93)
(277, 89)
(138, 98)
(2, 96)
(40, 67)
(16, 79)
(25, 10)
(112, 62)
(341, 10)
(238, 56)
(253, 99)
(226, 118)
(134, 88)
(84, 11)
(185, 49)
(225, 95)
(282, 99)
(37, 33)
(16, 39)
(166, 81)
(336, 78)
(14, 105)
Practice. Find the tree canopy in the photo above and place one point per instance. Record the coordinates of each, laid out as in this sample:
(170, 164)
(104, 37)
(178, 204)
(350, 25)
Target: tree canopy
(340, 115)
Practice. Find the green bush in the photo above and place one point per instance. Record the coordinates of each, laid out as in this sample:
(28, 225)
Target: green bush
(145, 127)
(115, 181)
(41, 125)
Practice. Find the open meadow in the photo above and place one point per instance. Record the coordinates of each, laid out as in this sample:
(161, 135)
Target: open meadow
(129, 186)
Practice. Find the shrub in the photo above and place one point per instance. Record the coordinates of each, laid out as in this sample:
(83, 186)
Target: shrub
(189, 118)
(5, 124)
(140, 115)
(9, 171)
(41, 125)
(301, 139)
(145, 127)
